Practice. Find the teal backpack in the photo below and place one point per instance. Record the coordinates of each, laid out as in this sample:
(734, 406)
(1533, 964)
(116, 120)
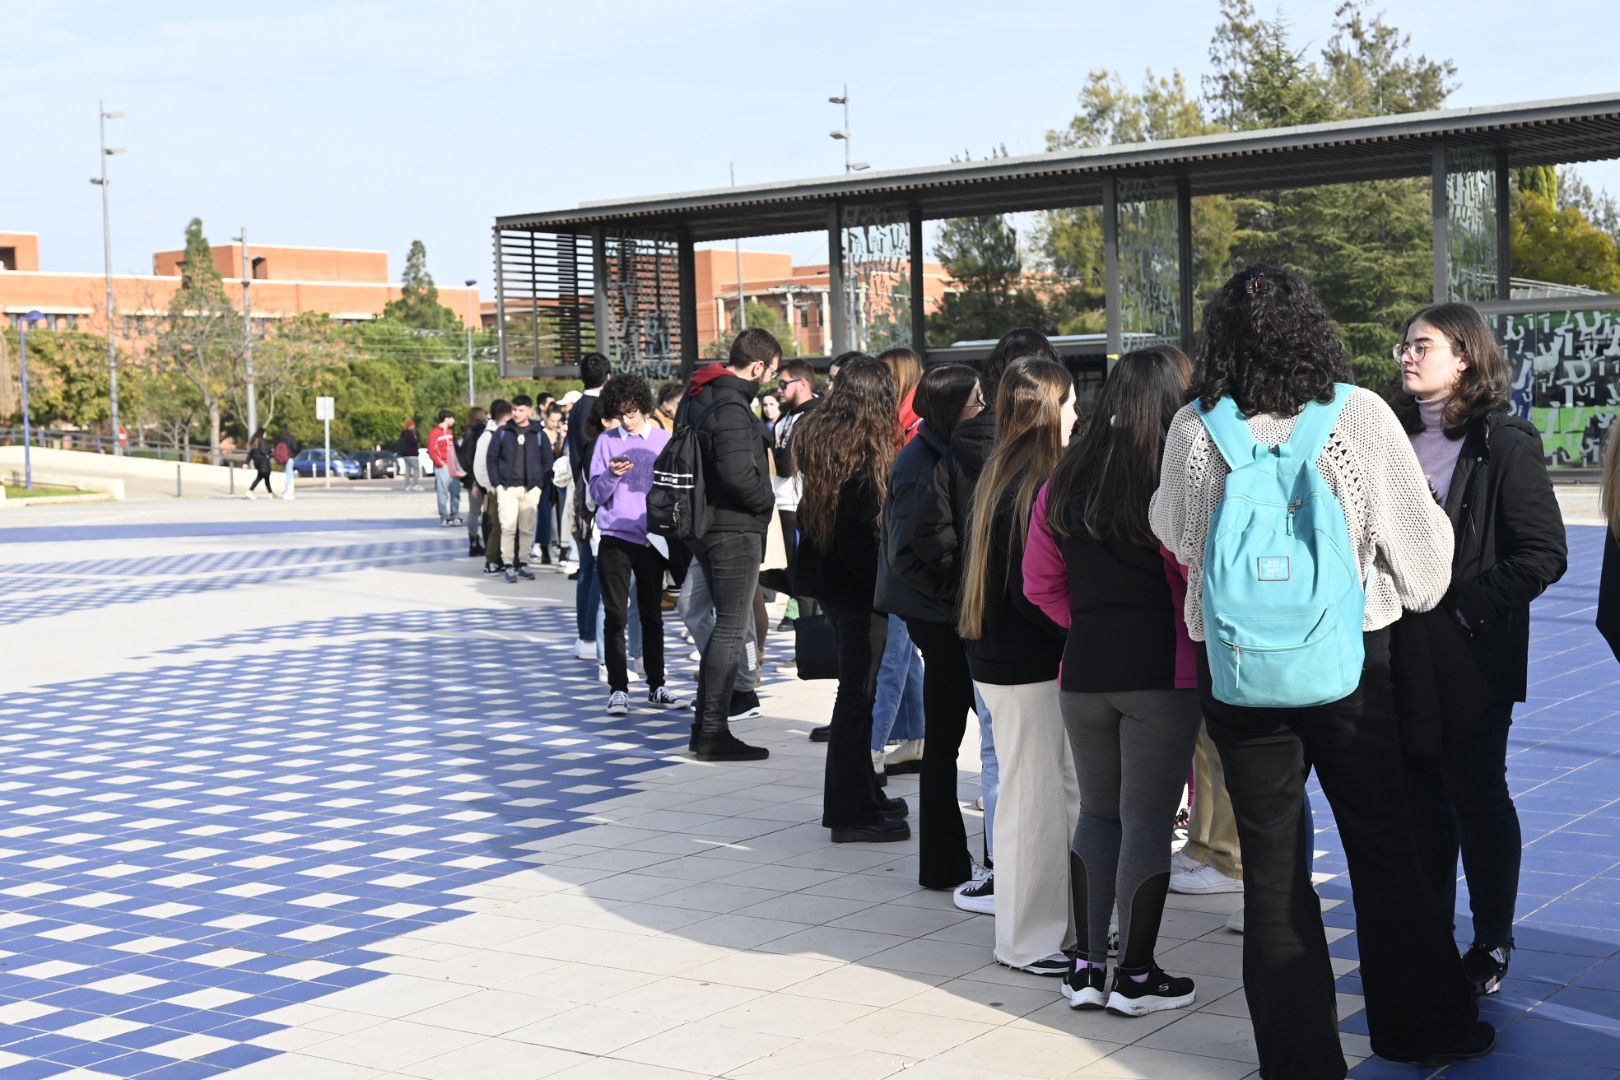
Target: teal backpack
(1283, 599)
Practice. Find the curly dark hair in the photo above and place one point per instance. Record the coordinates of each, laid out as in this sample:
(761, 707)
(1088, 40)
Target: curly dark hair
(627, 392)
(1268, 342)
(850, 438)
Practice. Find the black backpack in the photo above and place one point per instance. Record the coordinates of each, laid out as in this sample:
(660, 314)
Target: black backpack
(676, 506)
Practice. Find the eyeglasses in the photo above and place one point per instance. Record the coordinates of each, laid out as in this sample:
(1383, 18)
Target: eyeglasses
(627, 414)
(1418, 349)
(785, 383)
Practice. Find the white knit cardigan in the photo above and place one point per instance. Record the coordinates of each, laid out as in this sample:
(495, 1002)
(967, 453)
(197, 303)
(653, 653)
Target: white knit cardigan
(1402, 537)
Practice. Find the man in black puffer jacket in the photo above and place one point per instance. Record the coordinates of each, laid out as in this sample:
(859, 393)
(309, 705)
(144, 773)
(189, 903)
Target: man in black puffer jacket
(737, 484)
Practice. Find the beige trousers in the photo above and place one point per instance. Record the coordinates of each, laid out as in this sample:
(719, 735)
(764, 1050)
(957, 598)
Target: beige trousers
(1035, 815)
(1212, 837)
(517, 508)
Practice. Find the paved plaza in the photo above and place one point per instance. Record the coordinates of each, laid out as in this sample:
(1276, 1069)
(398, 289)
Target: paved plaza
(292, 790)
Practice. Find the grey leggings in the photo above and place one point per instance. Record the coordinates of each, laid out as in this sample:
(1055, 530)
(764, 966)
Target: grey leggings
(1131, 753)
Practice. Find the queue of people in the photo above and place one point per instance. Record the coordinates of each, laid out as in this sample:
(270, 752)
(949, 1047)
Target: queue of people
(1237, 569)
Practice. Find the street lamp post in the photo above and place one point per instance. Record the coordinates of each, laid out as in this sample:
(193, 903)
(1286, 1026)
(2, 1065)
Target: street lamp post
(472, 396)
(28, 429)
(247, 336)
(843, 134)
(106, 254)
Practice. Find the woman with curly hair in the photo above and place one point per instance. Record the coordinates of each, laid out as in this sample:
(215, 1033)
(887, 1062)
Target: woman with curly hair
(1269, 345)
(844, 451)
(1486, 468)
(1013, 653)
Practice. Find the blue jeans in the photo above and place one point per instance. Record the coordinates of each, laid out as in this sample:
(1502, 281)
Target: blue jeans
(587, 594)
(897, 709)
(449, 491)
(989, 774)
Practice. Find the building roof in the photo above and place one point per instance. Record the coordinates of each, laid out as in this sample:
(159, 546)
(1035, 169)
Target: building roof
(1377, 148)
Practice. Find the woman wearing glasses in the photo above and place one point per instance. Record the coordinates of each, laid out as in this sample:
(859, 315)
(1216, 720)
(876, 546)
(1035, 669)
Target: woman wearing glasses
(1462, 667)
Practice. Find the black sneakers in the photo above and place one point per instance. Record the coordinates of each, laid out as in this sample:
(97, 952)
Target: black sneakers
(726, 747)
(882, 831)
(1487, 966)
(1156, 993)
(1085, 988)
(978, 895)
(1476, 1041)
(821, 734)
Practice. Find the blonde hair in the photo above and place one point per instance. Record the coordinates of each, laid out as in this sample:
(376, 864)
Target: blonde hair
(1029, 444)
(1611, 481)
(907, 368)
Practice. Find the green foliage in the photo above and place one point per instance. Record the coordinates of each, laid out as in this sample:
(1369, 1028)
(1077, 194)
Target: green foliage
(1541, 179)
(1550, 244)
(418, 306)
(983, 257)
(67, 378)
(766, 318)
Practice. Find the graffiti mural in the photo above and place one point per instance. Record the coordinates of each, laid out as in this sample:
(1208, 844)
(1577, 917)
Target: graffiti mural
(877, 278)
(1149, 261)
(1566, 368)
(1471, 225)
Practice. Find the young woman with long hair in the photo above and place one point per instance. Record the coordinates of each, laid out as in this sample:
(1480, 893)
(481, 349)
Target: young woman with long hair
(938, 538)
(844, 451)
(908, 372)
(1013, 653)
(259, 457)
(1486, 468)
(912, 588)
(1129, 683)
(1269, 345)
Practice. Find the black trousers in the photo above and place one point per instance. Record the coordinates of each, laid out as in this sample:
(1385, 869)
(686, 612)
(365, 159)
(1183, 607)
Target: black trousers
(850, 793)
(263, 477)
(730, 562)
(943, 860)
(1418, 999)
(1461, 803)
(617, 561)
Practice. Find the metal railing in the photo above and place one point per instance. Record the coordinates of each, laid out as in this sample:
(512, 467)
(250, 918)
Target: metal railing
(91, 442)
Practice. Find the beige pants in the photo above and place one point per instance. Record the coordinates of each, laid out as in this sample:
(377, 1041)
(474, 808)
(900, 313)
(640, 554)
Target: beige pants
(1212, 837)
(1035, 815)
(517, 508)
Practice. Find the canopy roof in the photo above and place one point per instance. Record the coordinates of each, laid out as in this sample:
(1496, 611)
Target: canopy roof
(1378, 148)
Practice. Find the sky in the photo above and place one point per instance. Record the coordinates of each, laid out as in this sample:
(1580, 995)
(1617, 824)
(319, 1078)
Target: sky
(369, 125)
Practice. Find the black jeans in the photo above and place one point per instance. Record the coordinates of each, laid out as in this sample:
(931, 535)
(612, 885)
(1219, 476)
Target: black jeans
(263, 477)
(943, 861)
(616, 561)
(730, 562)
(1461, 802)
(1418, 999)
(850, 792)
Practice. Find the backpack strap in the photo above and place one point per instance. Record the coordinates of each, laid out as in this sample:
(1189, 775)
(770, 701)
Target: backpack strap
(1230, 432)
(1314, 425)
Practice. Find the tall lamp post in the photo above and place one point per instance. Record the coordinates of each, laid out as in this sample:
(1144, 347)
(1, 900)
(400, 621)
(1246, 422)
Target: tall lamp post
(472, 396)
(28, 430)
(247, 336)
(106, 254)
(843, 133)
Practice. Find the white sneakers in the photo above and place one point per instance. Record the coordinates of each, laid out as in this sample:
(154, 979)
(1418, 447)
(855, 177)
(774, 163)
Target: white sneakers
(1234, 921)
(978, 895)
(1194, 878)
(584, 650)
(905, 758)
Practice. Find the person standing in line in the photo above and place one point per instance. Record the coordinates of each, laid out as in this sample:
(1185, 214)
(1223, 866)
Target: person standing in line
(1485, 466)
(584, 428)
(914, 589)
(897, 710)
(621, 474)
(1608, 606)
(520, 469)
(1013, 653)
(845, 451)
(500, 411)
(286, 449)
(410, 456)
(1129, 683)
(737, 487)
(466, 452)
(770, 411)
(1269, 344)
(938, 538)
(796, 387)
(259, 458)
(442, 451)
(669, 403)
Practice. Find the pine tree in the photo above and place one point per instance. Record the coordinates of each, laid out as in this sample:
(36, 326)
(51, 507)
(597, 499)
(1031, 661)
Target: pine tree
(418, 306)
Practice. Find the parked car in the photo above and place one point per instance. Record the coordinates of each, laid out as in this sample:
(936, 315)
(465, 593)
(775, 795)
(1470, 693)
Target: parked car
(312, 463)
(377, 464)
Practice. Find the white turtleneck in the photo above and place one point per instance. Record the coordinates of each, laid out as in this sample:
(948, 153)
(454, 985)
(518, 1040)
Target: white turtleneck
(1436, 453)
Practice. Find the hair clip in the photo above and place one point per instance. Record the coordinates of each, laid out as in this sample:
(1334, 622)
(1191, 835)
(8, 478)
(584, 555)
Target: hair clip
(1257, 285)
(1113, 420)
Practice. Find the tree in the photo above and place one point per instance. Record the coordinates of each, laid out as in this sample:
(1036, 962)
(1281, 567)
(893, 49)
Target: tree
(987, 267)
(418, 306)
(766, 318)
(295, 356)
(1561, 245)
(200, 337)
(67, 378)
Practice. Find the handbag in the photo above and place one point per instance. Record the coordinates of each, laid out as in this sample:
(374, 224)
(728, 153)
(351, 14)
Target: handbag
(815, 648)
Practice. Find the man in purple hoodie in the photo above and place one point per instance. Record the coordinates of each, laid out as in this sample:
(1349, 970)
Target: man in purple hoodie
(621, 472)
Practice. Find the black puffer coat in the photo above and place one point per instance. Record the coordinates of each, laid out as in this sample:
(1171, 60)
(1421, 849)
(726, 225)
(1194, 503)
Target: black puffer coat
(908, 584)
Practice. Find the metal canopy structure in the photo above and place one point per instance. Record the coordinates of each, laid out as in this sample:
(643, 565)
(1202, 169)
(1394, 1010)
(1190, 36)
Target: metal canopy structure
(1145, 190)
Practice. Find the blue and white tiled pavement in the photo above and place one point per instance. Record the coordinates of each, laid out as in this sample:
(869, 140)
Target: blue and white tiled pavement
(325, 802)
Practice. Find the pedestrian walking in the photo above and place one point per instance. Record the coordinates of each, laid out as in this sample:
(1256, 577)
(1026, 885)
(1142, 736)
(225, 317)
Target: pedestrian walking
(410, 456)
(286, 450)
(259, 457)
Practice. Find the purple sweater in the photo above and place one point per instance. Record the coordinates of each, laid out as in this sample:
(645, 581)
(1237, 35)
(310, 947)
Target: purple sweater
(621, 501)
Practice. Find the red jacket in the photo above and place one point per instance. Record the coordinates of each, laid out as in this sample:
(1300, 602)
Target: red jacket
(442, 447)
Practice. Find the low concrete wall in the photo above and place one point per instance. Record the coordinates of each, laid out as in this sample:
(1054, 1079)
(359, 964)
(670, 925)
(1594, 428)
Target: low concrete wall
(122, 477)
